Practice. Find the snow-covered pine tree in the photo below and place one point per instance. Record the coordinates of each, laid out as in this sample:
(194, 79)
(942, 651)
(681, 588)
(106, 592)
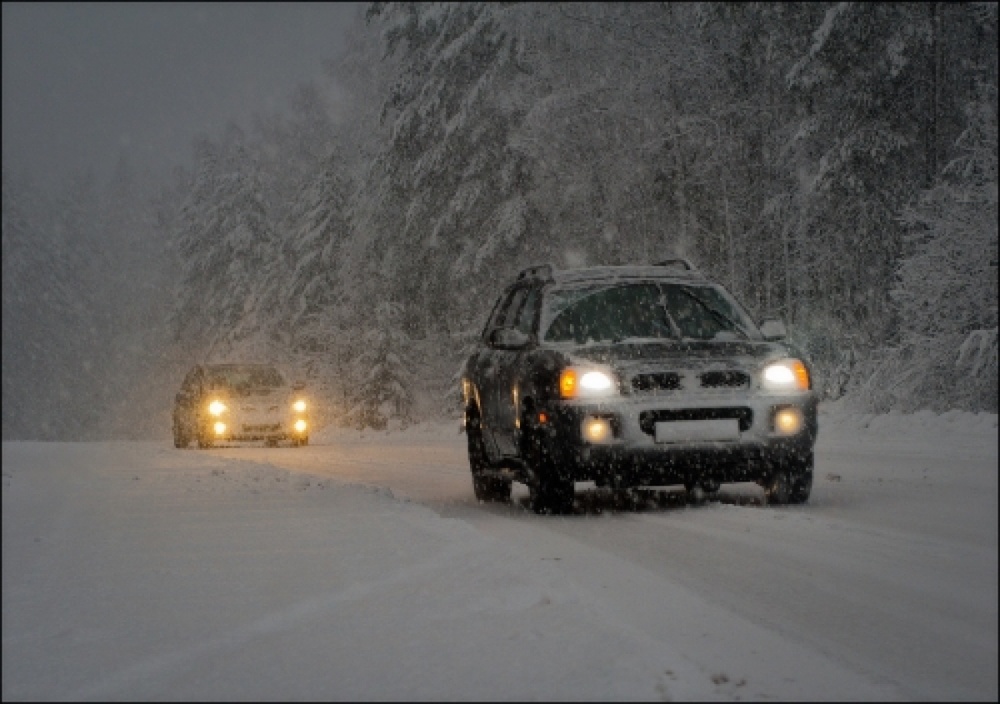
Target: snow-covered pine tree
(233, 260)
(384, 371)
(313, 299)
(946, 286)
(445, 198)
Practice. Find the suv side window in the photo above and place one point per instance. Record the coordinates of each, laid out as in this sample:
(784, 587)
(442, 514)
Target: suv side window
(527, 315)
(496, 315)
(190, 381)
(509, 316)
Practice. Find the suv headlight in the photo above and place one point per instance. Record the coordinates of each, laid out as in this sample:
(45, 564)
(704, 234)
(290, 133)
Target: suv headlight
(579, 382)
(299, 406)
(785, 375)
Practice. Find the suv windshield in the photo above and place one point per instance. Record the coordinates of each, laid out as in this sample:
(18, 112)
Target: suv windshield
(642, 311)
(245, 377)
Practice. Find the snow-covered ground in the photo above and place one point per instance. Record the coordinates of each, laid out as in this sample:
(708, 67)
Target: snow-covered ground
(361, 568)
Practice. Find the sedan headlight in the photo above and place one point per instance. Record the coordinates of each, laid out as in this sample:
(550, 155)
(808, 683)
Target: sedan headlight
(786, 375)
(299, 406)
(577, 382)
(217, 408)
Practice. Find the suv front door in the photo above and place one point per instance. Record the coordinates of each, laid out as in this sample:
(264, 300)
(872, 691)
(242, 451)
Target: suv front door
(508, 373)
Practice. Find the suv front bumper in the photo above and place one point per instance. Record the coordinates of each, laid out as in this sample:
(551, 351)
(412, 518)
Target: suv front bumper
(630, 455)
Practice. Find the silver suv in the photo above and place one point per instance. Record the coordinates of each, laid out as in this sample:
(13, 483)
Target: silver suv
(634, 376)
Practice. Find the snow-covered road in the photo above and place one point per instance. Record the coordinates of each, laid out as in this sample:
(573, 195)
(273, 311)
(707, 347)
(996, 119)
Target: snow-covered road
(361, 567)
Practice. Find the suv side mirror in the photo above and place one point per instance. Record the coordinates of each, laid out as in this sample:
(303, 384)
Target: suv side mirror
(509, 339)
(773, 329)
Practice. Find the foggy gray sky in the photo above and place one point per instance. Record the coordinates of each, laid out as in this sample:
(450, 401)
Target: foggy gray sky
(82, 81)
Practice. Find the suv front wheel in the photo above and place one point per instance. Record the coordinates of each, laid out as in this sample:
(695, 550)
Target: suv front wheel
(791, 482)
(549, 491)
(486, 488)
(181, 439)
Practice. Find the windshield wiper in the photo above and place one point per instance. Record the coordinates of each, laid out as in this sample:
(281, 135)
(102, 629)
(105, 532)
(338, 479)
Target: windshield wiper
(641, 338)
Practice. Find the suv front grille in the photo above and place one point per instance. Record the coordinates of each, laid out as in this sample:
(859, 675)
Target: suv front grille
(649, 419)
(730, 379)
(661, 381)
(262, 428)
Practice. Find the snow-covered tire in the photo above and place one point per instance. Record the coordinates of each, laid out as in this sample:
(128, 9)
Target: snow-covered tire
(549, 491)
(180, 439)
(487, 489)
(791, 482)
(551, 494)
(490, 489)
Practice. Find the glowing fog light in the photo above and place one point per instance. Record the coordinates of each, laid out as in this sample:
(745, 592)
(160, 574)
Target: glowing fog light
(216, 408)
(788, 421)
(300, 426)
(299, 406)
(597, 430)
(220, 428)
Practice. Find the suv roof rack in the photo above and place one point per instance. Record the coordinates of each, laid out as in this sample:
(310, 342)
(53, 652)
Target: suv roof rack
(541, 271)
(678, 263)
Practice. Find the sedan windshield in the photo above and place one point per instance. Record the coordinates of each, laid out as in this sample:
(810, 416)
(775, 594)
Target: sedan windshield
(643, 311)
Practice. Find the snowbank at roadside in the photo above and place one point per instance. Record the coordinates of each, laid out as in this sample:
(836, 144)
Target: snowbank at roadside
(843, 416)
(838, 415)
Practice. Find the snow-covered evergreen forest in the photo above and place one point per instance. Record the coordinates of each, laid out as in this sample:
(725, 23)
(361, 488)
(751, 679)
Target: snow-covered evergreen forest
(834, 164)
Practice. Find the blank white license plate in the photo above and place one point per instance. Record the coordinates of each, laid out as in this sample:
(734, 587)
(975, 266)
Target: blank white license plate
(723, 430)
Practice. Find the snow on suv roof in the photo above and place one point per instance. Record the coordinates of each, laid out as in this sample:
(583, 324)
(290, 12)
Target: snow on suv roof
(672, 269)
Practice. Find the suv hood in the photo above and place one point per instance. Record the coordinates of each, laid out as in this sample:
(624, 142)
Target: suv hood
(693, 354)
(749, 350)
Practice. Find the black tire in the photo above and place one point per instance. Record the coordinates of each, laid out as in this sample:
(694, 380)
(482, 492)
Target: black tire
(549, 491)
(791, 482)
(487, 489)
(491, 489)
(181, 440)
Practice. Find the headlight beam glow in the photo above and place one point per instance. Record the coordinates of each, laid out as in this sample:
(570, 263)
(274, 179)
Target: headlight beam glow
(576, 383)
(786, 375)
(217, 408)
